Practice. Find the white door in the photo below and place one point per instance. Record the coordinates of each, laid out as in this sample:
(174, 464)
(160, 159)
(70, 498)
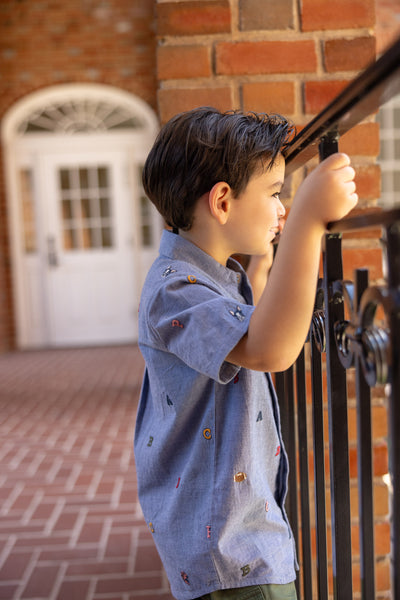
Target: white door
(91, 248)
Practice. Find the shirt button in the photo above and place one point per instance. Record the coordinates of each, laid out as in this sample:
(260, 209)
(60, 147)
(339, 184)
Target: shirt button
(240, 476)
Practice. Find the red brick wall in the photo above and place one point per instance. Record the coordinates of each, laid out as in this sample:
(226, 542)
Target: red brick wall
(47, 43)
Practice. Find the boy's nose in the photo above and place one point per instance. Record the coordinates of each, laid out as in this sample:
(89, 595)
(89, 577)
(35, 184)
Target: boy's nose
(281, 210)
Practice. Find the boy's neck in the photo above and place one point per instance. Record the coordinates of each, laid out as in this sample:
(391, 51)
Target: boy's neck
(208, 244)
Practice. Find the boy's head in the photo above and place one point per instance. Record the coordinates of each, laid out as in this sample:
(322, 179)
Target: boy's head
(197, 149)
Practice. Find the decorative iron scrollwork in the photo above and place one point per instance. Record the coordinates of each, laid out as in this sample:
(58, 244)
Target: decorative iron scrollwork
(362, 337)
(318, 320)
(359, 335)
(318, 329)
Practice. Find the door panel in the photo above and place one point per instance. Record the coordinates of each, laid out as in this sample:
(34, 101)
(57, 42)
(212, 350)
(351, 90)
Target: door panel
(91, 247)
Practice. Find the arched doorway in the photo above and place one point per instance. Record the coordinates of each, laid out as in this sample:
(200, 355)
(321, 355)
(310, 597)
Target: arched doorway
(83, 233)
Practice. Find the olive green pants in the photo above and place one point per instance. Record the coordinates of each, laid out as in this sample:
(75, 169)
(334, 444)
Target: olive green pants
(271, 591)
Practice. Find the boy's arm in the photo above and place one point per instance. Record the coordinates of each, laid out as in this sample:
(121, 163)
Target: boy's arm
(260, 266)
(257, 272)
(279, 324)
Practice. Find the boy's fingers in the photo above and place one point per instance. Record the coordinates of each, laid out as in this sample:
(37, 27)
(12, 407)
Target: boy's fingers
(337, 160)
(348, 173)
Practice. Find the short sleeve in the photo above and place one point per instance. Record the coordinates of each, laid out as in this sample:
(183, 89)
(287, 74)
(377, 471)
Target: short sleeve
(193, 320)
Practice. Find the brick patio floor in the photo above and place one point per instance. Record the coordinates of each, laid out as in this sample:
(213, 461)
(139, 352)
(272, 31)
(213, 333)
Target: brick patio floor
(70, 524)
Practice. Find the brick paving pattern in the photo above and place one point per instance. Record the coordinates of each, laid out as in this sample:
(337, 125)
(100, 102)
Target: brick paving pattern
(71, 527)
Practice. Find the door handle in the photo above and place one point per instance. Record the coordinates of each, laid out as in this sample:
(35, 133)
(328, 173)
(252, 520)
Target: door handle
(52, 258)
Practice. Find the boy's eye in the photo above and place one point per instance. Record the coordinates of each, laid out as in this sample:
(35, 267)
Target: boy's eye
(276, 195)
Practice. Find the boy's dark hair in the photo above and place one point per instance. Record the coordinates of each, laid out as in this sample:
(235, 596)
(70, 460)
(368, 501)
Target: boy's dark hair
(197, 149)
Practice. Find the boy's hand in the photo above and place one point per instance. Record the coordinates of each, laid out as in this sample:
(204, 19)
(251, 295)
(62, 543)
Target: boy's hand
(328, 193)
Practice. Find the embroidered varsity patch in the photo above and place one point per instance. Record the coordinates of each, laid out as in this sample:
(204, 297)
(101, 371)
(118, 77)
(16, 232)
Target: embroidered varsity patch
(207, 433)
(168, 271)
(185, 577)
(238, 314)
(240, 476)
(245, 570)
(176, 323)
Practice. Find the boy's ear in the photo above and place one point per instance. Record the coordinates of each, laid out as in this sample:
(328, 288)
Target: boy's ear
(219, 200)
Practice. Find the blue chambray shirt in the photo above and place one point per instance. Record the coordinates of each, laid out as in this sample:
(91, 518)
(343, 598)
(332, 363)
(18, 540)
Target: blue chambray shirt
(211, 467)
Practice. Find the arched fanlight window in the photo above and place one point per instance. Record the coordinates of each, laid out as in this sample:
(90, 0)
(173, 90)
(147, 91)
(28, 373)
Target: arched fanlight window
(78, 108)
(80, 116)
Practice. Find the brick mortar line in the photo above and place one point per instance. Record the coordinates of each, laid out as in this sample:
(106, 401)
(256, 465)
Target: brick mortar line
(116, 493)
(14, 494)
(264, 35)
(10, 542)
(108, 521)
(69, 442)
(54, 469)
(87, 447)
(15, 462)
(77, 468)
(51, 521)
(36, 462)
(75, 533)
(36, 500)
(133, 551)
(226, 80)
(105, 452)
(59, 580)
(94, 484)
(27, 574)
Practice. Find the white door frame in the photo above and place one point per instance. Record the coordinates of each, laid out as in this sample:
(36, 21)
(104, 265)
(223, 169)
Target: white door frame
(23, 150)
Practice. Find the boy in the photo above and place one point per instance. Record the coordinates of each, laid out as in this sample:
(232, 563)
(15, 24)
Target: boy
(212, 470)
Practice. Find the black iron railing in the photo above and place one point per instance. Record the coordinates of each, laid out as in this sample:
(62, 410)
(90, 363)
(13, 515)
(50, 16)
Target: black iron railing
(345, 334)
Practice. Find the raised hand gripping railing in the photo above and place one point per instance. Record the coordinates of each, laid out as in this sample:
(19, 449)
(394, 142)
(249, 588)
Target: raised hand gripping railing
(343, 327)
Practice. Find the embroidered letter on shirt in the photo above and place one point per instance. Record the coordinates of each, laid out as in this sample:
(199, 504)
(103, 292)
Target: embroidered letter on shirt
(259, 418)
(168, 271)
(238, 314)
(278, 449)
(245, 570)
(191, 279)
(185, 577)
(207, 434)
(176, 323)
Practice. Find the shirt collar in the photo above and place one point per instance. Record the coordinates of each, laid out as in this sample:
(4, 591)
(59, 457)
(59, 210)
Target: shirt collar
(176, 247)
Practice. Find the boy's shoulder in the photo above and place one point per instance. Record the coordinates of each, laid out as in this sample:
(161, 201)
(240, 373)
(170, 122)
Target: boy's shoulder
(168, 272)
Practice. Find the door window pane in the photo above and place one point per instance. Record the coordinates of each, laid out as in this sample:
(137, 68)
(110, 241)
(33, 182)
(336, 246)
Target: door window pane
(146, 217)
(27, 211)
(86, 208)
(84, 179)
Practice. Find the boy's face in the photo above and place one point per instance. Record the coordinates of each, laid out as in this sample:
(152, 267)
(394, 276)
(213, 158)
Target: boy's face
(257, 210)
